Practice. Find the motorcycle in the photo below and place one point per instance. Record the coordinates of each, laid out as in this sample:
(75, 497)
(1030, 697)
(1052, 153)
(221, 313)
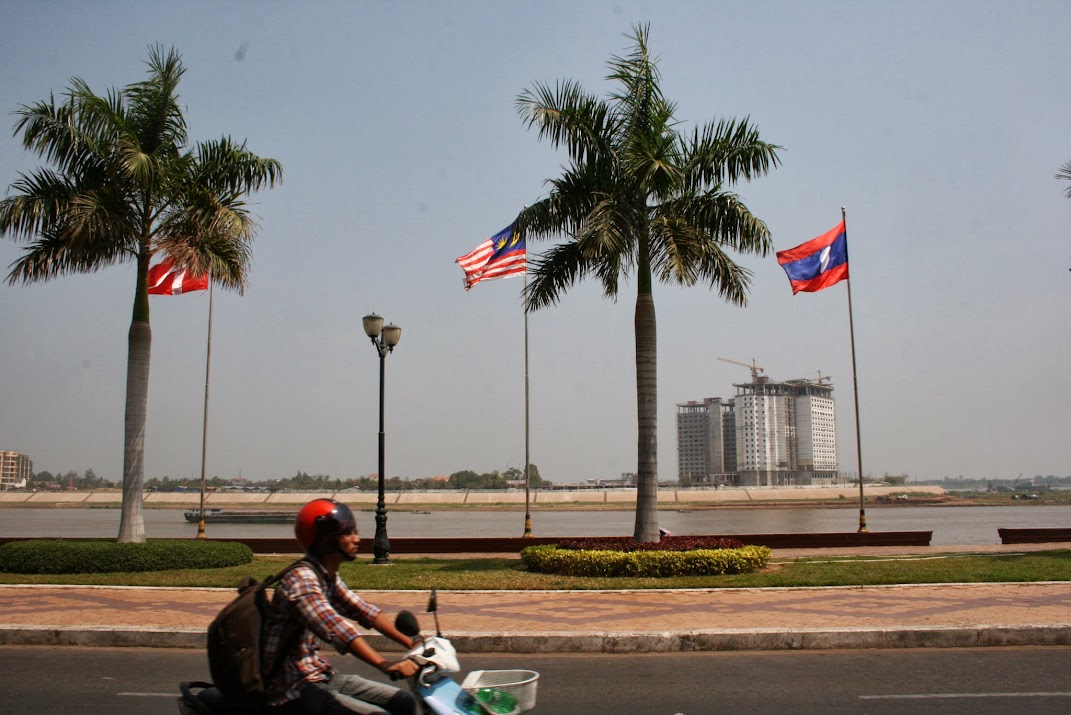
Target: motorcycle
(482, 692)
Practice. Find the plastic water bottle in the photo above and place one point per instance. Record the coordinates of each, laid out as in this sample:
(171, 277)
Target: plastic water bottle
(496, 700)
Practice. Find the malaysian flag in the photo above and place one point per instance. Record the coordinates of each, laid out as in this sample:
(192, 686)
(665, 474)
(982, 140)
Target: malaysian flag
(500, 256)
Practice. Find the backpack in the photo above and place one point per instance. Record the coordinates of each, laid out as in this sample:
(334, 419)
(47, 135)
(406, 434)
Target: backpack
(234, 644)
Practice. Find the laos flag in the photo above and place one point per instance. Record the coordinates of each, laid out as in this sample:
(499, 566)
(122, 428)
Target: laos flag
(819, 263)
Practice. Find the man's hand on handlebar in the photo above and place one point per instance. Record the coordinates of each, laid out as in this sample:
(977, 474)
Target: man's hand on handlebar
(404, 668)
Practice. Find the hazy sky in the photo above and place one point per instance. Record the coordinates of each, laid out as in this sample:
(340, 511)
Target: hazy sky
(939, 125)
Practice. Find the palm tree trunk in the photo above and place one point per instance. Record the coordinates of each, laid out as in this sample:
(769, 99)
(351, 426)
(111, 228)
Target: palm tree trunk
(646, 404)
(139, 345)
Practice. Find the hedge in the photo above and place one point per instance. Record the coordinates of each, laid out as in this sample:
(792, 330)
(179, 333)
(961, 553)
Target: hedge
(666, 543)
(549, 558)
(106, 556)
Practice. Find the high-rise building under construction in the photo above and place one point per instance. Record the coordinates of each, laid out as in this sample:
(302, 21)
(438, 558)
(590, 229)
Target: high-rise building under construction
(15, 469)
(768, 434)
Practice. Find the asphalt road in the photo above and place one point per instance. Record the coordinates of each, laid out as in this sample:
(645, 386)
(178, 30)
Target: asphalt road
(125, 681)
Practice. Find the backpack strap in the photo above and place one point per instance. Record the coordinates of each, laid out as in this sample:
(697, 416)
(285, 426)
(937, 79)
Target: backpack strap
(285, 645)
(247, 583)
(274, 579)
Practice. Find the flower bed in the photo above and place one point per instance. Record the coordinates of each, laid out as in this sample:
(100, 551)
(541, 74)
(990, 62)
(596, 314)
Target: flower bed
(667, 543)
(551, 558)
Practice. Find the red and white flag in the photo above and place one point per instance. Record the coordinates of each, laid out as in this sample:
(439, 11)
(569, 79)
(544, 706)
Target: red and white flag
(165, 279)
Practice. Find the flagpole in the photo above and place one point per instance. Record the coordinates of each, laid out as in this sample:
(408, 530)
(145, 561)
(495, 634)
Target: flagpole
(527, 460)
(204, 429)
(855, 381)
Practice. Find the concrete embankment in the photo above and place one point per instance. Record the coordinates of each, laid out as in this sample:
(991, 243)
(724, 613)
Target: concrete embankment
(542, 499)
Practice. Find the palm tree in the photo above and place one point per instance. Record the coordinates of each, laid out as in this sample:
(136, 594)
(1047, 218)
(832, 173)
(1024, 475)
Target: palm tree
(641, 199)
(124, 186)
(1064, 174)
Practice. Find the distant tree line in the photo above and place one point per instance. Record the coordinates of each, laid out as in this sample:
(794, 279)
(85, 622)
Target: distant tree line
(302, 481)
(982, 484)
(465, 479)
(68, 480)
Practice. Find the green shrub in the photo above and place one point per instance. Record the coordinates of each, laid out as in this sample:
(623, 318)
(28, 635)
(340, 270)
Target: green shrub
(104, 556)
(700, 562)
(666, 543)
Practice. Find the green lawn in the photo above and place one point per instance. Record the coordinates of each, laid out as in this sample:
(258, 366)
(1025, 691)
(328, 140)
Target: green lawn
(510, 574)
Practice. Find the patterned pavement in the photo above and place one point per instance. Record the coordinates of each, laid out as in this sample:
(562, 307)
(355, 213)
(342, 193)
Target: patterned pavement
(462, 612)
(578, 620)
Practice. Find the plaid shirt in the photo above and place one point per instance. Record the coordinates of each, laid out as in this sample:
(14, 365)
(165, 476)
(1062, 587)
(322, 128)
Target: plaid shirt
(309, 606)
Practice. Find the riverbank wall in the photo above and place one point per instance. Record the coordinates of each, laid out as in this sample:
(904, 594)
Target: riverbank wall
(542, 499)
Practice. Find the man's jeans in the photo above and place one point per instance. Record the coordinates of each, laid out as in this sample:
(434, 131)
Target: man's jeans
(346, 694)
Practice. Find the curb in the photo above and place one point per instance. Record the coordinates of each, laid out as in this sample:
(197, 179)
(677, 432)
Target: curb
(695, 641)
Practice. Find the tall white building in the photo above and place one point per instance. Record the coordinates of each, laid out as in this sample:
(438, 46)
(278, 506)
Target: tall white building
(816, 433)
(786, 433)
(764, 435)
(769, 434)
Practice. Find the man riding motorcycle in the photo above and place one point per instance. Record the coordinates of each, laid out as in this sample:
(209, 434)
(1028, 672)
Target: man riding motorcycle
(312, 603)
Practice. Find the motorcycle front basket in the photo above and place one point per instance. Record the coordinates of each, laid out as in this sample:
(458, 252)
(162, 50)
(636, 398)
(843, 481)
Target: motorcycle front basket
(521, 684)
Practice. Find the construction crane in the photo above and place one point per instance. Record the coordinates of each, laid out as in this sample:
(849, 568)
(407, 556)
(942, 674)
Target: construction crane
(755, 369)
(822, 379)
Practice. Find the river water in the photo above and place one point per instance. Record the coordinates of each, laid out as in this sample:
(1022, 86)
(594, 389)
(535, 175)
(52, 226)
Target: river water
(950, 525)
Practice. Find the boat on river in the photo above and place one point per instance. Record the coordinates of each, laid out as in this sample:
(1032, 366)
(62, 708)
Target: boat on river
(241, 516)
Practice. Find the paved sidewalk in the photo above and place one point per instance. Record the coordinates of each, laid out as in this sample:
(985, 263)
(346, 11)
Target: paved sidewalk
(949, 615)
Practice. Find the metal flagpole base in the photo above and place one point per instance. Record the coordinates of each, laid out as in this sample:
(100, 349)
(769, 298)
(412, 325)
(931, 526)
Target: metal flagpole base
(528, 525)
(862, 521)
(201, 529)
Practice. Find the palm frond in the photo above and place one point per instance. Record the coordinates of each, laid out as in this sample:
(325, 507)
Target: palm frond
(727, 151)
(155, 111)
(99, 119)
(654, 162)
(609, 271)
(218, 252)
(567, 115)
(720, 216)
(39, 200)
(552, 274)
(639, 78)
(610, 230)
(1064, 174)
(51, 255)
(676, 249)
(54, 133)
(80, 223)
(208, 233)
(563, 212)
(228, 167)
(727, 278)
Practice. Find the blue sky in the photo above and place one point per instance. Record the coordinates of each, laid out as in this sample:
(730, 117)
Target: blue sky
(939, 125)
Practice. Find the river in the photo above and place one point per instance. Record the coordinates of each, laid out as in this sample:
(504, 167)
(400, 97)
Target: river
(950, 525)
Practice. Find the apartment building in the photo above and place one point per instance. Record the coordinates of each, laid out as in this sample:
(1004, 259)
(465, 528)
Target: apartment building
(706, 442)
(15, 469)
(768, 434)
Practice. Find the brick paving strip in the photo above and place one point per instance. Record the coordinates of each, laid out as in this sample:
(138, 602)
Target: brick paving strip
(593, 621)
(946, 615)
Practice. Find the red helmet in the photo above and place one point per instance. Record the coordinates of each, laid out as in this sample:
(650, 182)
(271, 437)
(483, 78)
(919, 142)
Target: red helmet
(322, 518)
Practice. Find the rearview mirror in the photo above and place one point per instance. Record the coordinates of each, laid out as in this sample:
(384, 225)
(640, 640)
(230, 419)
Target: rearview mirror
(407, 624)
(433, 605)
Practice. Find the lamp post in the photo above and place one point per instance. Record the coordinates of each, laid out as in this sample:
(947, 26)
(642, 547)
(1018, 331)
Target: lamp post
(384, 338)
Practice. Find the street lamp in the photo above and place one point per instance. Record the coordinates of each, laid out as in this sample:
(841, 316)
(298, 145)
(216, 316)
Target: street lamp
(384, 338)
